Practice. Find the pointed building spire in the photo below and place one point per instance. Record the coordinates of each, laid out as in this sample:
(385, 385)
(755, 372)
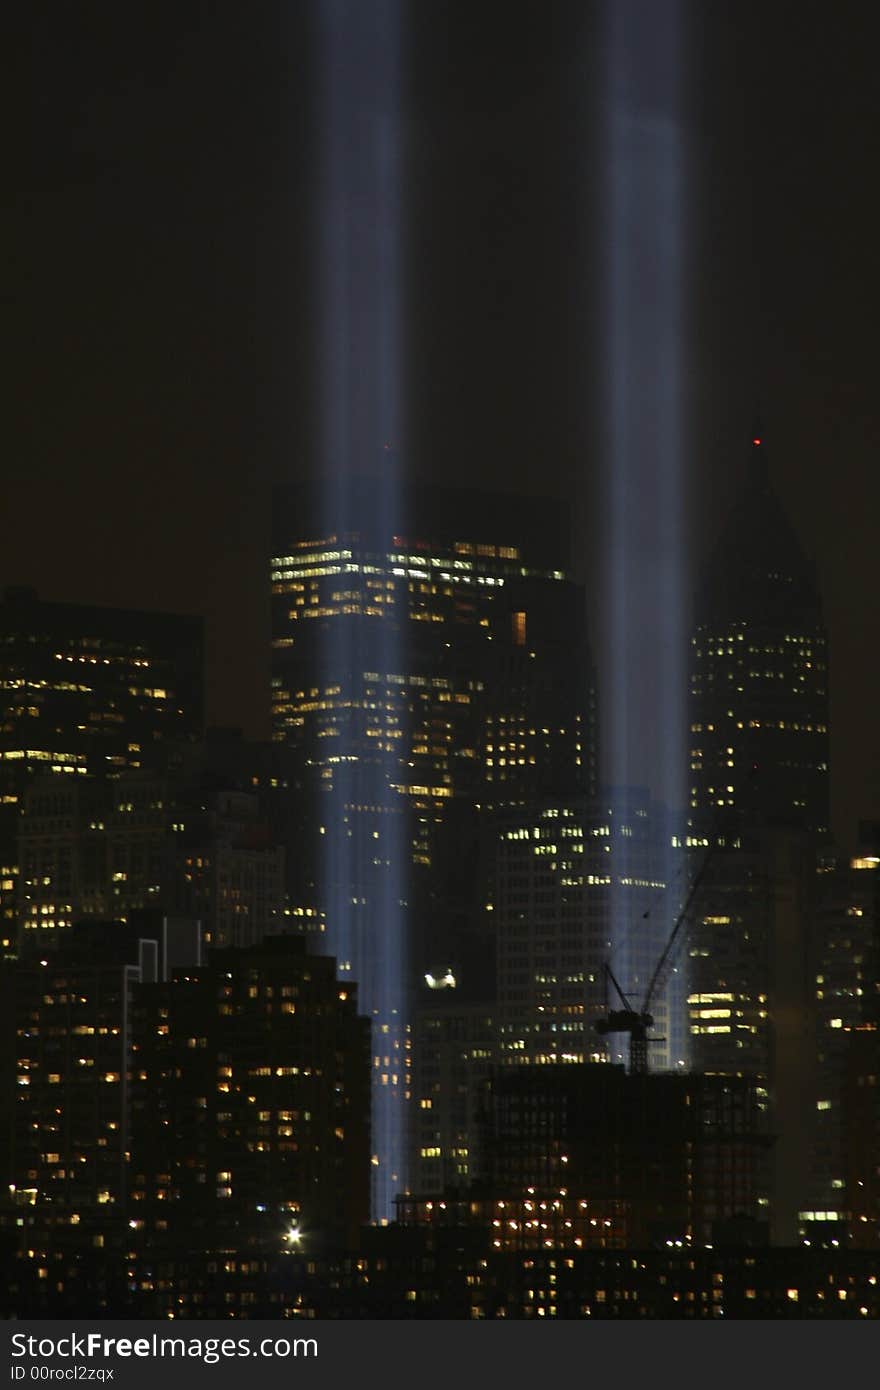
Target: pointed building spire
(759, 676)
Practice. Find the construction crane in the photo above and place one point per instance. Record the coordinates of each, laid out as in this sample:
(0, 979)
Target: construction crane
(636, 1022)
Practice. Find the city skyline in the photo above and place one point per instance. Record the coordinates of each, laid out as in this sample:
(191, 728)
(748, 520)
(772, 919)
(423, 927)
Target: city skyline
(777, 243)
(252, 710)
(479, 745)
(438, 645)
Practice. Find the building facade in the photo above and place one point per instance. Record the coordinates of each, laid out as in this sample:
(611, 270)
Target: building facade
(87, 691)
(580, 885)
(169, 1107)
(685, 1154)
(759, 811)
(250, 1104)
(107, 848)
(759, 672)
(429, 663)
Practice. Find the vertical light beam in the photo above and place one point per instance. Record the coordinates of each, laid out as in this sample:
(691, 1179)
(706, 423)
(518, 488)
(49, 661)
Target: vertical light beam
(359, 256)
(642, 326)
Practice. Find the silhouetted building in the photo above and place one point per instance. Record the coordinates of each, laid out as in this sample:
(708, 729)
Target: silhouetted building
(87, 690)
(454, 1052)
(682, 1152)
(73, 1049)
(91, 847)
(452, 1269)
(860, 1136)
(173, 1112)
(752, 995)
(847, 918)
(759, 781)
(250, 1105)
(759, 673)
(94, 689)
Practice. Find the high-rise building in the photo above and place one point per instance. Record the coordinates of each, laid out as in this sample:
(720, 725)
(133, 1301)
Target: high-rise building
(105, 848)
(94, 689)
(87, 691)
(576, 884)
(429, 665)
(73, 1048)
(495, 696)
(759, 810)
(454, 1053)
(552, 933)
(847, 933)
(683, 1153)
(580, 885)
(759, 672)
(177, 1109)
(860, 1136)
(250, 1105)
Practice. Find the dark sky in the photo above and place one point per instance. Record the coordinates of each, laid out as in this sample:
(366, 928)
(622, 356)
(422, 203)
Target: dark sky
(159, 315)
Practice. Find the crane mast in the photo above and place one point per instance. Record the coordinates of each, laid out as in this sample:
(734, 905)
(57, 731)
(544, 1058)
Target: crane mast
(635, 1021)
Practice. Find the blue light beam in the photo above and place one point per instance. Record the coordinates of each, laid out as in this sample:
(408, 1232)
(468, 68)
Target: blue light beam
(364, 870)
(642, 324)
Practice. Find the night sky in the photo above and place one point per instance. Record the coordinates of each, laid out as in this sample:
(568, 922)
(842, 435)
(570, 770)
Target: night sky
(160, 320)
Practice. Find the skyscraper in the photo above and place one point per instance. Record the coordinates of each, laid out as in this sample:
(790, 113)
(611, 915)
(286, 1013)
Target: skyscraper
(94, 689)
(71, 1023)
(477, 588)
(847, 917)
(87, 690)
(104, 848)
(429, 661)
(578, 886)
(176, 1110)
(250, 1104)
(759, 799)
(759, 672)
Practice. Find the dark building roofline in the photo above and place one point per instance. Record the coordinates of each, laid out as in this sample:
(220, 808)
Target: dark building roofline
(758, 568)
(539, 526)
(21, 602)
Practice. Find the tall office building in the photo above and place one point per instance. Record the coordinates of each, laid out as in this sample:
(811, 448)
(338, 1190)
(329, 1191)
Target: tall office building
(250, 1106)
(759, 672)
(73, 1045)
(860, 1135)
(177, 1109)
(86, 690)
(93, 847)
(427, 664)
(454, 1054)
(94, 689)
(580, 885)
(847, 930)
(496, 689)
(759, 808)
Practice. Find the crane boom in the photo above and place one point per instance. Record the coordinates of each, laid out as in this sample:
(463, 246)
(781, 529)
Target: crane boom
(679, 923)
(636, 1022)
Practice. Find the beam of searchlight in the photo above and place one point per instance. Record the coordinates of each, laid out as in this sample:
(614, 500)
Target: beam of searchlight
(359, 258)
(642, 326)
